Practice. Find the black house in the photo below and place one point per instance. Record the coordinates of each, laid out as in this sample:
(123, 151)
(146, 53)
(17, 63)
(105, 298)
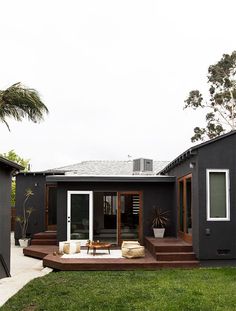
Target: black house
(90, 201)
(206, 199)
(7, 169)
(98, 200)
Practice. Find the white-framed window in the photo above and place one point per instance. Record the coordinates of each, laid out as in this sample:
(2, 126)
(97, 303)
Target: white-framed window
(218, 207)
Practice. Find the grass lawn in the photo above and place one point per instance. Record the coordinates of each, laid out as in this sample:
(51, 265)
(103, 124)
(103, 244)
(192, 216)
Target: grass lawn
(184, 290)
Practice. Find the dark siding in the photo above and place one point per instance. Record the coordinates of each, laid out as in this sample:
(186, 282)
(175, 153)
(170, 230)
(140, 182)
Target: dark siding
(5, 217)
(218, 155)
(179, 171)
(38, 185)
(161, 194)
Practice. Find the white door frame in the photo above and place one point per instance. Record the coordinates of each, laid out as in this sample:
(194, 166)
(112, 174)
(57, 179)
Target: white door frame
(90, 193)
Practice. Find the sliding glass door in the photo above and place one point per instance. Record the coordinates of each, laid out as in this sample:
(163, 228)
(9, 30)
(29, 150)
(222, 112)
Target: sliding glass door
(185, 207)
(129, 216)
(104, 216)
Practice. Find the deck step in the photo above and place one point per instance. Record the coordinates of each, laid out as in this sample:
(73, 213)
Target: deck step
(39, 251)
(167, 245)
(44, 238)
(172, 252)
(173, 248)
(177, 263)
(45, 235)
(173, 256)
(34, 253)
(43, 242)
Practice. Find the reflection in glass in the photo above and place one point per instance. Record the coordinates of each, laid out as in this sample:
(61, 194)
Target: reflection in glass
(218, 195)
(130, 205)
(80, 216)
(189, 205)
(181, 206)
(52, 205)
(105, 217)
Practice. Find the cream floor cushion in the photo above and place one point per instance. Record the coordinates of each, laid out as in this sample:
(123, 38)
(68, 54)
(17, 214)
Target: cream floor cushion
(69, 247)
(132, 249)
(129, 243)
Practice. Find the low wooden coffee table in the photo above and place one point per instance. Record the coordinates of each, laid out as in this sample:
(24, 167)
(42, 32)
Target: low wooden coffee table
(98, 245)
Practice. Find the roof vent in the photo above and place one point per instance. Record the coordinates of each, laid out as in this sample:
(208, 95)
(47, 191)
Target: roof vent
(141, 166)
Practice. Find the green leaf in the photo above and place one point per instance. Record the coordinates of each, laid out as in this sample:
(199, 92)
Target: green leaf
(221, 103)
(20, 102)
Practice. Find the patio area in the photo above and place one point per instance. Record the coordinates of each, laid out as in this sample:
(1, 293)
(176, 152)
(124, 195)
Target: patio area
(159, 253)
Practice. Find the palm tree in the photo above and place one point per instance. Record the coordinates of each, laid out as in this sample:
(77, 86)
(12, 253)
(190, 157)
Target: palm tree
(19, 102)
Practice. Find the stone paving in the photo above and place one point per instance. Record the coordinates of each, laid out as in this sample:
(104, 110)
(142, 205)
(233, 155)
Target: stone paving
(23, 270)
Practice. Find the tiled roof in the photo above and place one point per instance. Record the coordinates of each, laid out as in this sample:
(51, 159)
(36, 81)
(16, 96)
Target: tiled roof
(106, 168)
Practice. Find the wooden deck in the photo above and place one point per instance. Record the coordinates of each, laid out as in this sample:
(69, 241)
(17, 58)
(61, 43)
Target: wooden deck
(39, 251)
(151, 261)
(56, 262)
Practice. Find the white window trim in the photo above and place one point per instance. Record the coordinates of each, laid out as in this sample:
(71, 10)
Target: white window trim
(226, 171)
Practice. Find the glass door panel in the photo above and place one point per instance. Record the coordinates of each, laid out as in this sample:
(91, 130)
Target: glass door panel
(188, 206)
(181, 206)
(80, 216)
(105, 217)
(129, 216)
(51, 208)
(185, 207)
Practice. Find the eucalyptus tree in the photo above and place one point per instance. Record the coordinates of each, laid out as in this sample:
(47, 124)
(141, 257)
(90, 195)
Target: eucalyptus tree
(19, 102)
(220, 102)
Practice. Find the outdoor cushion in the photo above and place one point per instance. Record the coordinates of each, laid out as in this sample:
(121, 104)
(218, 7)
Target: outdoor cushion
(127, 243)
(69, 247)
(133, 251)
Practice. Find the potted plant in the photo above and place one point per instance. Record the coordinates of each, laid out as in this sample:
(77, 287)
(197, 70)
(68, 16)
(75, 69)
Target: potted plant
(23, 219)
(159, 222)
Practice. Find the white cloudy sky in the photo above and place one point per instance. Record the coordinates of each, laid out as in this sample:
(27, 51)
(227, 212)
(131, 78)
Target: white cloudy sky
(114, 74)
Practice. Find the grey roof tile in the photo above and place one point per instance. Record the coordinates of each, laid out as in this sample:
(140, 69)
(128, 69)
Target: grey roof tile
(106, 168)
